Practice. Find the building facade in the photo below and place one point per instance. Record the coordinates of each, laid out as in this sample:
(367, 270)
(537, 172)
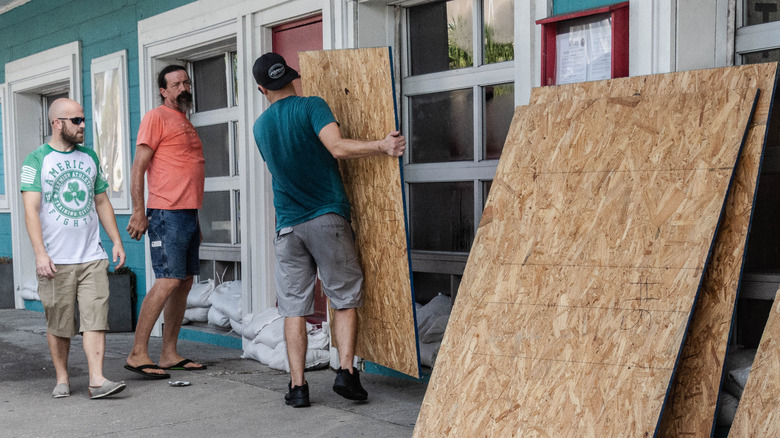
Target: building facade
(461, 66)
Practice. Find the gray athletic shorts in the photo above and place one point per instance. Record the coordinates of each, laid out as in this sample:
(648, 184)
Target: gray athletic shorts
(326, 242)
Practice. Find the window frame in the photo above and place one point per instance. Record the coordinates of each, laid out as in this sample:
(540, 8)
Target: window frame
(115, 61)
(5, 205)
(478, 170)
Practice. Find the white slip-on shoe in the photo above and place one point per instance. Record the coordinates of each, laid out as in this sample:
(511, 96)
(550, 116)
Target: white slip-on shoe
(61, 390)
(107, 388)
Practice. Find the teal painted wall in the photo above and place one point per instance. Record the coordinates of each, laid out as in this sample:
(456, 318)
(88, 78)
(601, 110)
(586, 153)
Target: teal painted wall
(568, 6)
(103, 27)
(5, 235)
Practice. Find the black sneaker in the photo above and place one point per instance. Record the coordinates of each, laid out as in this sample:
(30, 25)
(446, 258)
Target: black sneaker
(297, 397)
(348, 385)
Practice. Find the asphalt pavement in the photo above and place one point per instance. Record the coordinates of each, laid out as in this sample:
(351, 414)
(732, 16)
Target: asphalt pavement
(234, 397)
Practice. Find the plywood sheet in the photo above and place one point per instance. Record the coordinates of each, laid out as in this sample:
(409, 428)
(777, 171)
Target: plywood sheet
(758, 414)
(690, 409)
(358, 86)
(585, 267)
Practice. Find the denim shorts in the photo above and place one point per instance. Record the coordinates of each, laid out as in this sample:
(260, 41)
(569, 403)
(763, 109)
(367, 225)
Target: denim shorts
(326, 243)
(174, 241)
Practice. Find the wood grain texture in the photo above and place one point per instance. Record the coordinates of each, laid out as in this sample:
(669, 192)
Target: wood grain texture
(691, 406)
(758, 414)
(357, 84)
(585, 267)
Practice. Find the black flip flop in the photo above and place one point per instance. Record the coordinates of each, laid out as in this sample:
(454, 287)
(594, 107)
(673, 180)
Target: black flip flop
(181, 366)
(140, 370)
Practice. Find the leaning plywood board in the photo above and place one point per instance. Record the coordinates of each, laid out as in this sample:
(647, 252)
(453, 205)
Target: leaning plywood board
(585, 267)
(690, 410)
(358, 86)
(758, 414)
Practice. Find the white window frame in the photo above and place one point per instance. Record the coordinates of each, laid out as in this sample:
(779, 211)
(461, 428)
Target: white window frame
(477, 170)
(5, 206)
(54, 69)
(115, 61)
(754, 38)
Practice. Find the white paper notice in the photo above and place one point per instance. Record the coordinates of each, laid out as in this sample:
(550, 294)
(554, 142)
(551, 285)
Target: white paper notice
(584, 52)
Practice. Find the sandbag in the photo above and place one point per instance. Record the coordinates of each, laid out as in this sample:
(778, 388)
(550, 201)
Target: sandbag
(428, 353)
(200, 293)
(738, 379)
(272, 334)
(226, 297)
(727, 409)
(438, 306)
(314, 358)
(259, 352)
(29, 290)
(197, 314)
(218, 318)
(435, 330)
(253, 323)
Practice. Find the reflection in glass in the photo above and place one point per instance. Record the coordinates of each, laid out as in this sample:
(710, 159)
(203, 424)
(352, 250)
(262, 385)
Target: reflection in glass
(486, 185)
(209, 84)
(234, 64)
(215, 223)
(761, 11)
(499, 109)
(442, 217)
(442, 127)
(499, 30)
(216, 149)
(109, 130)
(237, 197)
(772, 55)
(583, 48)
(441, 36)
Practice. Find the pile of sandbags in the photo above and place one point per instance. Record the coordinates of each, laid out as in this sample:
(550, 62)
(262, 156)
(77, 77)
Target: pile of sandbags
(198, 302)
(264, 335)
(225, 308)
(432, 320)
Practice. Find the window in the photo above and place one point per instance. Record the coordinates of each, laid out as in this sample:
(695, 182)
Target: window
(111, 126)
(758, 31)
(458, 104)
(215, 117)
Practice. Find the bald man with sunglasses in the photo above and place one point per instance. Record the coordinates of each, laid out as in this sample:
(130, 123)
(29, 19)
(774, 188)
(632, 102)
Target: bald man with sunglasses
(64, 197)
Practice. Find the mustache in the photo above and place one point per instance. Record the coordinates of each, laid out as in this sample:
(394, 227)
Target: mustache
(185, 97)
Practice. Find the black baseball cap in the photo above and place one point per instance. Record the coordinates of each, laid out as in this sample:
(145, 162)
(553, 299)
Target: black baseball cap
(272, 72)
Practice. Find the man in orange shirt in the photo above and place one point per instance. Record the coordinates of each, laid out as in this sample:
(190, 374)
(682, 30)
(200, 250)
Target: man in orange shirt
(170, 153)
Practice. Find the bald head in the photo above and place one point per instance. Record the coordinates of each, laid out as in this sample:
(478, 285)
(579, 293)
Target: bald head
(65, 132)
(64, 107)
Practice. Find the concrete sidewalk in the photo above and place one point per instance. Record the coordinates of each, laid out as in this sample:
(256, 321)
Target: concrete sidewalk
(234, 397)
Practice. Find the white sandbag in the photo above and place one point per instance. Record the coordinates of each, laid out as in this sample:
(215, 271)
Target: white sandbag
(253, 323)
(279, 359)
(739, 379)
(428, 353)
(259, 352)
(197, 314)
(227, 299)
(29, 290)
(218, 318)
(200, 293)
(738, 358)
(272, 334)
(314, 358)
(236, 326)
(435, 331)
(727, 409)
(438, 306)
(318, 339)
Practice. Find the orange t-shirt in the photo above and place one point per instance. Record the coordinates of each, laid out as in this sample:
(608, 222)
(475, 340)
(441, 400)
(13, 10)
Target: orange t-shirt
(176, 173)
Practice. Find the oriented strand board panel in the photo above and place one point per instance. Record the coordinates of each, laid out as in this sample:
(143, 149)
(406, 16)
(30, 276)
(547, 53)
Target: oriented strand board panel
(358, 86)
(758, 414)
(585, 267)
(690, 409)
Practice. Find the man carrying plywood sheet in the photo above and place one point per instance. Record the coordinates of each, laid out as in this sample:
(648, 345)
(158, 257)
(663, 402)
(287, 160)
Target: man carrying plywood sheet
(300, 141)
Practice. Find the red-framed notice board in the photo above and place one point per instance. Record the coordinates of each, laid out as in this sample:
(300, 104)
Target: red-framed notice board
(588, 45)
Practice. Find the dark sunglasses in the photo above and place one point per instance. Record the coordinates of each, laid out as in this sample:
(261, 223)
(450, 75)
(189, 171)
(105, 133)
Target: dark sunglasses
(74, 120)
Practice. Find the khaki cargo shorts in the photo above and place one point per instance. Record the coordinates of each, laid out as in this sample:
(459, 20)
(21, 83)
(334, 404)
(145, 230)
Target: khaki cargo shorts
(85, 284)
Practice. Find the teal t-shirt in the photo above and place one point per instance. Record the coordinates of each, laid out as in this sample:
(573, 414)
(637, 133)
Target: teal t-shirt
(306, 178)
